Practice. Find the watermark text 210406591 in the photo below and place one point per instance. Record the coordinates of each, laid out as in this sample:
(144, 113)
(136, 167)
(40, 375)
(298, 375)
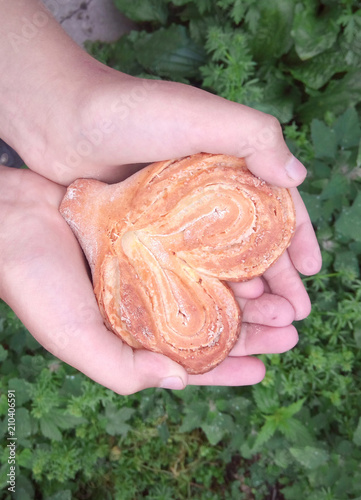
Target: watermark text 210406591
(11, 445)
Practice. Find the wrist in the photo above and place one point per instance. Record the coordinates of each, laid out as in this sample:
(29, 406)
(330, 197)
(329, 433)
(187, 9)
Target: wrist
(23, 190)
(43, 76)
(10, 182)
(26, 200)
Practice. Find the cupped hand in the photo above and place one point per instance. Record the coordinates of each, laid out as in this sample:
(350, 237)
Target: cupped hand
(45, 281)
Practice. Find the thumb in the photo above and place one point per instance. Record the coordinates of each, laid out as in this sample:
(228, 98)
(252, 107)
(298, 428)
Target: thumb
(104, 358)
(87, 345)
(222, 126)
(171, 120)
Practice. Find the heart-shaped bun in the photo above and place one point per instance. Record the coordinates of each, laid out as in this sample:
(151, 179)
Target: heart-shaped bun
(161, 245)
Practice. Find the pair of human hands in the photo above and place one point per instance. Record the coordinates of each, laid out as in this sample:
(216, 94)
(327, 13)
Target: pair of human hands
(121, 122)
(69, 116)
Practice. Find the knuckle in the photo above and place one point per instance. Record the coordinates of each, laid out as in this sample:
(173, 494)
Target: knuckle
(270, 134)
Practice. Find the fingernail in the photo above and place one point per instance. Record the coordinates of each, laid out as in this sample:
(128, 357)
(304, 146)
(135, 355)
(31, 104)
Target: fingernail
(295, 170)
(175, 383)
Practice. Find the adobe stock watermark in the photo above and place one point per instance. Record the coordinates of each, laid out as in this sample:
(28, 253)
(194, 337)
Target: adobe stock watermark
(11, 441)
(32, 25)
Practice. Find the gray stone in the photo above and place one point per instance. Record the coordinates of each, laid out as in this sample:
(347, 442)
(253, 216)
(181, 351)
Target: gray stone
(90, 19)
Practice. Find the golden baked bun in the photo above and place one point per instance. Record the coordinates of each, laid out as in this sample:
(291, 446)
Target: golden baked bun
(161, 245)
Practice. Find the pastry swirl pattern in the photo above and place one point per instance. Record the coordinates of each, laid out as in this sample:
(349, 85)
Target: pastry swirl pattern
(162, 244)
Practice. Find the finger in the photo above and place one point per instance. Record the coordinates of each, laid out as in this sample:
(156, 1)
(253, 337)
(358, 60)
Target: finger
(269, 309)
(171, 120)
(245, 132)
(232, 372)
(260, 339)
(108, 361)
(283, 279)
(304, 249)
(247, 289)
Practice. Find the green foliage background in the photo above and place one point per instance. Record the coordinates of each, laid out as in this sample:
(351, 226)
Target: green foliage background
(298, 433)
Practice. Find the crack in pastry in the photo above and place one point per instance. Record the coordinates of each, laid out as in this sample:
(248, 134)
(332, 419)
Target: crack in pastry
(162, 244)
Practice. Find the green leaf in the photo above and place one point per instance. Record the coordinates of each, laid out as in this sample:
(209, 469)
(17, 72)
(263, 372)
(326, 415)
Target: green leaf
(313, 204)
(347, 129)
(21, 388)
(357, 334)
(266, 398)
(295, 431)
(282, 458)
(317, 71)
(338, 96)
(324, 140)
(238, 405)
(144, 10)
(355, 247)
(116, 420)
(273, 38)
(31, 366)
(195, 414)
(310, 457)
(73, 384)
(23, 423)
(4, 470)
(25, 458)
(266, 432)
(169, 52)
(217, 428)
(357, 434)
(238, 11)
(292, 409)
(349, 222)
(320, 169)
(180, 3)
(230, 71)
(163, 432)
(199, 7)
(61, 495)
(63, 419)
(252, 18)
(279, 99)
(121, 55)
(313, 34)
(294, 492)
(49, 429)
(3, 354)
(24, 488)
(4, 405)
(338, 185)
(214, 433)
(358, 159)
(347, 262)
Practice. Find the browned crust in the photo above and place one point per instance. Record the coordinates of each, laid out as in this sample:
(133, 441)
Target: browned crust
(161, 244)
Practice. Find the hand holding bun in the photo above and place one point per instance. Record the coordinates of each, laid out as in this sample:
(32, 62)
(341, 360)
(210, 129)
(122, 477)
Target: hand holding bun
(162, 244)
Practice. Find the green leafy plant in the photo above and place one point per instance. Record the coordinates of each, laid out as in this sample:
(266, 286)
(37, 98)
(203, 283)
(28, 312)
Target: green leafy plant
(298, 433)
(293, 59)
